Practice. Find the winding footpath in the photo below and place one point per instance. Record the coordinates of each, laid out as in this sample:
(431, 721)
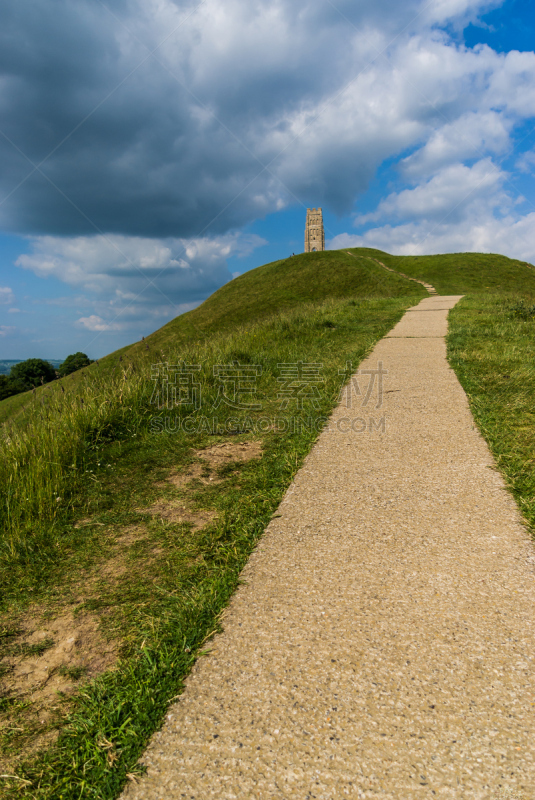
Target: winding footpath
(430, 289)
(382, 645)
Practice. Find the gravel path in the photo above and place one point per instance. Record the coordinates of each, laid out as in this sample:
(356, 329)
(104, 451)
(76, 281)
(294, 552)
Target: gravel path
(383, 644)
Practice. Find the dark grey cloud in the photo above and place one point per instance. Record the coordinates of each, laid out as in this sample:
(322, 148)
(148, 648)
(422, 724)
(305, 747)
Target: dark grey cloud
(178, 145)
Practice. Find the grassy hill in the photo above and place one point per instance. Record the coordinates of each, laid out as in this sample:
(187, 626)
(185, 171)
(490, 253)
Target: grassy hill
(462, 273)
(267, 290)
(303, 279)
(112, 507)
(282, 286)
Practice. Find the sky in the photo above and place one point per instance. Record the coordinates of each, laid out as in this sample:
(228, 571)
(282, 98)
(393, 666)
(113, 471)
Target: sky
(153, 150)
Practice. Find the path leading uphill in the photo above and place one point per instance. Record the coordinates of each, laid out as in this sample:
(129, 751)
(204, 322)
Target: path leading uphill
(430, 289)
(383, 645)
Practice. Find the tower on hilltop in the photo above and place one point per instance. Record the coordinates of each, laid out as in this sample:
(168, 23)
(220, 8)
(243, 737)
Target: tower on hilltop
(314, 233)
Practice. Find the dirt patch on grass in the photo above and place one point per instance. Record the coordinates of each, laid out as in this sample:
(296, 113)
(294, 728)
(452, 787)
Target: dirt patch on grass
(193, 472)
(114, 563)
(108, 571)
(176, 512)
(220, 454)
(87, 522)
(131, 535)
(47, 657)
(213, 458)
(43, 662)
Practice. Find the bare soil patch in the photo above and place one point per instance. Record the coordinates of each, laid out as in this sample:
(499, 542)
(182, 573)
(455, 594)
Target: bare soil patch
(49, 656)
(43, 664)
(213, 458)
(193, 472)
(220, 454)
(87, 522)
(114, 564)
(131, 535)
(176, 512)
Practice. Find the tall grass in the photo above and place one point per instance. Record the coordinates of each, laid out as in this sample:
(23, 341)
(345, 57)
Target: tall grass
(46, 461)
(49, 456)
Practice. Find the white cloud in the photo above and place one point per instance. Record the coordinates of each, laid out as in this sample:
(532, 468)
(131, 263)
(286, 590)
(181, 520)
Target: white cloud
(511, 235)
(449, 193)
(469, 136)
(440, 11)
(94, 323)
(526, 162)
(129, 269)
(13, 311)
(511, 84)
(132, 283)
(6, 296)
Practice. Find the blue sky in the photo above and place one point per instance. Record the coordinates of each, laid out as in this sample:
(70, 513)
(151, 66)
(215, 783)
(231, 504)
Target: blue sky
(153, 149)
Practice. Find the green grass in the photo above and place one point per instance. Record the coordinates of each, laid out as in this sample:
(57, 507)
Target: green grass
(282, 286)
(491, 346)
(463, 273)
(270, 289)
(85, 458)
(165, 604)
(293, 283)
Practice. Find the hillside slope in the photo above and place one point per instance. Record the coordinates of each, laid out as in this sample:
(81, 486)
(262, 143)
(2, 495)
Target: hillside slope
(309, 278)
(264, 291)
(281, 286)
(461, 273)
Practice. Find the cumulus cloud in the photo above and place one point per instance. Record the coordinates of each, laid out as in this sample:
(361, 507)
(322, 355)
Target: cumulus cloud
(481, 229)
(126, 268)
(6, 330)
(6, 296)
(129, 279)
(95, 323)
(526, 162)
(514, 236)
(469, 136)
(240, 109)
(451, 193)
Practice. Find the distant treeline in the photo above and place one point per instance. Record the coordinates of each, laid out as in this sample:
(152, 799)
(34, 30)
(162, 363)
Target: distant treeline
(34, 372)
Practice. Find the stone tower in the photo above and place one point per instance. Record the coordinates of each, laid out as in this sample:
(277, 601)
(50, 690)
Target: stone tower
(314, 234)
